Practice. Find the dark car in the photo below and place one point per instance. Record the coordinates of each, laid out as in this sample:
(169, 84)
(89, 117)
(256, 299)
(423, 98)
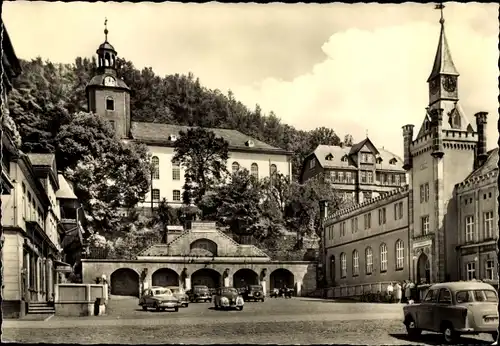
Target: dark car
(253, 292)
(199, 293)
(228, 298)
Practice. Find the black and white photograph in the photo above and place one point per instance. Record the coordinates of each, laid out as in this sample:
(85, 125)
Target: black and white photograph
(244, 173)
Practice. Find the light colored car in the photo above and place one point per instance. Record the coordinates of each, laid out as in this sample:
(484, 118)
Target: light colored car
(228, 297)
(160, 299)
(180, 294)
(454, 309)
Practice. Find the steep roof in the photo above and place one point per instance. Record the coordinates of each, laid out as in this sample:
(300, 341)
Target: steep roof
(443, 63)
(42, 159)
(336, 153)
(490, 165)
(65, 190)
(161, 133)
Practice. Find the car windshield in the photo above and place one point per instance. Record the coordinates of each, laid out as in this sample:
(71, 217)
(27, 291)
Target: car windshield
(228, 290)
(201, 288)
(176, 290)
(477, 296)
(256, 287)
(158, 291)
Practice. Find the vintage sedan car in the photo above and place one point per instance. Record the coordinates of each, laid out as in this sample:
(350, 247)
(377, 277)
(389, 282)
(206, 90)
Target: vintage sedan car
(454, 308)
(253, 292)
(199, 293)
(228, 297)
(179, 293)
(160, 299)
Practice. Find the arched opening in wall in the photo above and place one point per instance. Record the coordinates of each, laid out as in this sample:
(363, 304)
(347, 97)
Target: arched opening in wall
(203, 247)
(206, 277)
(125, 282)
(423, 269)
(244, 277)
(165, 277)
(332, 269)
(282, 277)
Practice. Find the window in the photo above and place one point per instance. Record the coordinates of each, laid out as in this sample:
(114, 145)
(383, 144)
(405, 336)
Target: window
(471, 270)
(156, 167)
(344, 158)
(341, 176)
(489, 269)
(273, 169)
(176, 171)
(369, 158)
(342, 229)
(176, 195)
(400, 254)
(424, 224)
(24, 201)
(254, 170)
(110, 104)
(362, 177)
(431, 295)
(333, 175)
(422, 194)
(444, 296)
(389, 179)
(369, 260)
(488, 225)
(156, 194)
(398, 211)
(235, 167)
(354, 225)
(355, 263)
(367, 196)
(343, 265)
(369, 177)
(426, 192)
(397, 179)
(348, 177)
(381, 216)
(469, 228)
(383, 257)
(368, 220)
(312, 163)
(363, 158)
(382, 178)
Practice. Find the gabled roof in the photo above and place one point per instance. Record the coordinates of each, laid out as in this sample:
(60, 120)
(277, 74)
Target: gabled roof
(161, 133)
(443, 63)
(449, 109)
(358, 146)
(45, 164)
(489, 165)
(65, 190)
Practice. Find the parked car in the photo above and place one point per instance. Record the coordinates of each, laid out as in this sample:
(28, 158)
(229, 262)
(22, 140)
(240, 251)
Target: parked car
(179, 293)
(228, 297)
(159, 298)
(275, 293)
(199, 293)
(253, 292)
(454, 308)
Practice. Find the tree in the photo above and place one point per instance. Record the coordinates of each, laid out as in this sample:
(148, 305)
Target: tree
(323, 136)
(203, 156)
(348, 140)
(162, 216)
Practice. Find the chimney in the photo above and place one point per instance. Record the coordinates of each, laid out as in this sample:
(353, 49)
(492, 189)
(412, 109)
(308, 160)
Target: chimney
(407, 139)
(437, 135)
(481, 154)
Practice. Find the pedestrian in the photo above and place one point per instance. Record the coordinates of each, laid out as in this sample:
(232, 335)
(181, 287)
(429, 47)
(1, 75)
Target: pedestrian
(390, 291)
(398, 291)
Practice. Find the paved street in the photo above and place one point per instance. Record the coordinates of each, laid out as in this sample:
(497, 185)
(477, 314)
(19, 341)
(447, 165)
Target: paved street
(277, 321)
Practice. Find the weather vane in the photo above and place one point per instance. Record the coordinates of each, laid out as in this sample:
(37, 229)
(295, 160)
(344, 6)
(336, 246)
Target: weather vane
(106, 29)
(440, 7)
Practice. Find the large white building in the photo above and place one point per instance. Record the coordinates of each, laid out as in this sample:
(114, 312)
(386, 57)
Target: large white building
(109, 97)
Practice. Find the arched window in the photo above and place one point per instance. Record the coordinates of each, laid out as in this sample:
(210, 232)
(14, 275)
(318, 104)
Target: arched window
(110, 104)
(156, 167)
(254, 170)
(176, 171)
(355, 263)
(332, 268)
(369, 260)
(383, 257)
(235, 167)
(273, 169)
(343, 265)
(400, 254)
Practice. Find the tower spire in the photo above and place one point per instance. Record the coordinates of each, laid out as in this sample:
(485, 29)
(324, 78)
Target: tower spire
(443, 63)
(106, 30)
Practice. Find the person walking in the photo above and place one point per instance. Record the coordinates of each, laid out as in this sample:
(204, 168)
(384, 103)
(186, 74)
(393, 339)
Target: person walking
(398, 290)
(390, 291)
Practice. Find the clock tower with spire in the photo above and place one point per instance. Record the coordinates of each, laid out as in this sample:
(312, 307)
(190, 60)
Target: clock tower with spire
(108, 95)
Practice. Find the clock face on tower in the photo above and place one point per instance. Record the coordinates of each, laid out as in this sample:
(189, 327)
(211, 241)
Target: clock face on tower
(109, 81)
(449, 83)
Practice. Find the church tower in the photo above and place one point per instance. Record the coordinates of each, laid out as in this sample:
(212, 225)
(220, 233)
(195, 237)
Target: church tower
(108, 95)
(441, 155)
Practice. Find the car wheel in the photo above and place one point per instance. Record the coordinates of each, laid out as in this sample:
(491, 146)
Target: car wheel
(411, 328)
(450, 336)
(176, 309)
(262, 300)
(157, 307)
(494, 336)
(145, 308)
(240, 308)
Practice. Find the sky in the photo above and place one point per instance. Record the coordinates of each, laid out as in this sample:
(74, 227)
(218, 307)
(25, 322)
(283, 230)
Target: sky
(356, 68)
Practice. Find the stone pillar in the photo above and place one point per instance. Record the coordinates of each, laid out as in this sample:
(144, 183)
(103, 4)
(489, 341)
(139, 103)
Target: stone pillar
(186, 279)
(262, 277)
(226, 278)
(298, 288)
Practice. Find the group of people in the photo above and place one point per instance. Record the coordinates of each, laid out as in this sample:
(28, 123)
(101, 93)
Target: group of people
(401, 292)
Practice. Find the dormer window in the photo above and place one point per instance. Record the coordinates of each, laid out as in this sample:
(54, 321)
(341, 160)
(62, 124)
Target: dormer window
(379, 160)
(393, 161)
(312, 163)
(172, 138)
(344, 158)
(249, 143)
(329, 157)
(454, 120)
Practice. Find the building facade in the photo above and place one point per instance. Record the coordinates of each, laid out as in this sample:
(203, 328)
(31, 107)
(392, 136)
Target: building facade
(109, 97)
(450, 205)
(359, 172)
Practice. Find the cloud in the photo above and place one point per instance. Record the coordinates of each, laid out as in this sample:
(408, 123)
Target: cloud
(375, 81)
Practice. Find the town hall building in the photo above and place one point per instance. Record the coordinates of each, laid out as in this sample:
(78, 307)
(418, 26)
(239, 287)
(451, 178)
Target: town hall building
(109, 97)
(440, 226)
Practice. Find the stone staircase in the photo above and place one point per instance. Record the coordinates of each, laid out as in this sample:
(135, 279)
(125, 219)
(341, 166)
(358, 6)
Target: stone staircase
(41, 308)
